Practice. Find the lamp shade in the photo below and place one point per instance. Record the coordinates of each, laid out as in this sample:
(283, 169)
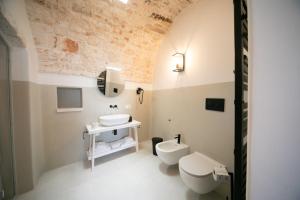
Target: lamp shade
(124, 1)
(178, 62)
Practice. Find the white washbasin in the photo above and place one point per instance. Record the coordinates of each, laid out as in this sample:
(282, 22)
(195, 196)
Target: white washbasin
(114, 120)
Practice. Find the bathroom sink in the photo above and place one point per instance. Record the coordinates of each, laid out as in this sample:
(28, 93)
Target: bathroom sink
(114, 120)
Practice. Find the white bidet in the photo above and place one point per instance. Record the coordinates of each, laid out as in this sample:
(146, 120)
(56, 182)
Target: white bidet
(170, 151)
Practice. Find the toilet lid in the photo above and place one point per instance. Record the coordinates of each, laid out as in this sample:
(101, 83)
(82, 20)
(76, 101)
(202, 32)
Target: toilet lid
(197, 164)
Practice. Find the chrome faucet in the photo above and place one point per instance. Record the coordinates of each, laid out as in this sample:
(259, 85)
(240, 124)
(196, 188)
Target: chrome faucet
(178, 137)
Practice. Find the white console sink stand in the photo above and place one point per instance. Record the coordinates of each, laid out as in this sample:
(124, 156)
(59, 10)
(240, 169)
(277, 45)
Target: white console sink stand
(92, 153)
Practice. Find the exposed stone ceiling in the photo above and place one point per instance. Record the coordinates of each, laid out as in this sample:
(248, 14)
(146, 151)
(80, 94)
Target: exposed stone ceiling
(82, 37)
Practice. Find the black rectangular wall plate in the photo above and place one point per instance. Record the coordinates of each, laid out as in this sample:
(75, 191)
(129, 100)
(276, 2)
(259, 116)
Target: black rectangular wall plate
(215, 104)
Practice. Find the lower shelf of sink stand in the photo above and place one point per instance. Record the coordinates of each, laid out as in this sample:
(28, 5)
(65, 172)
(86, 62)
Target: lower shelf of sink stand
(100, 151)
(97, 152)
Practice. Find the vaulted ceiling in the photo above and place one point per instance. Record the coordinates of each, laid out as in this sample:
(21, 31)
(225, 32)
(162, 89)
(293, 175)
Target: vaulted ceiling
(82, 37)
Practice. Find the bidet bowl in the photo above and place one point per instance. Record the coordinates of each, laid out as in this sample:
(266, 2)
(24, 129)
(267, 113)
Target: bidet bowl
(170, 151)
(114, 120)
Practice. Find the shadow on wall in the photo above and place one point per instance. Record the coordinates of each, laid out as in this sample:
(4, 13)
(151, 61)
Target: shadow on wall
(9, 33)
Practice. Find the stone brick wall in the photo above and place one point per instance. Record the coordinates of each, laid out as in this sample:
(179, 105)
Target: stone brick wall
(82, 37)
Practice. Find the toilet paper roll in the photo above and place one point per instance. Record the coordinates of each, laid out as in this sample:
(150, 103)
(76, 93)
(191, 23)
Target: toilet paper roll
(220, 174)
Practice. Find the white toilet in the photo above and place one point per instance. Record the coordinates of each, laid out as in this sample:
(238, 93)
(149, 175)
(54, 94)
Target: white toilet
(196, 171)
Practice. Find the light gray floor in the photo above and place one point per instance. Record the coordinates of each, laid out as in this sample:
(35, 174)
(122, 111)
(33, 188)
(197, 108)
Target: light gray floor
(126, 175)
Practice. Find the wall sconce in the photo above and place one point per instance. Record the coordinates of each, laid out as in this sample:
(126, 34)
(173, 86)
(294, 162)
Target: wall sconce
(178, 62)
(124, 1)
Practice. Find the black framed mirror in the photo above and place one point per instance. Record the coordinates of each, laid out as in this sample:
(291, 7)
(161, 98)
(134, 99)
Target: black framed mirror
(110, 82)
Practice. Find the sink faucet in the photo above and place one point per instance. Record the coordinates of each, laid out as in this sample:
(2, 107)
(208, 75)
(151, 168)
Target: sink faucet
(113, 106)
(178, 137)
(113, 109)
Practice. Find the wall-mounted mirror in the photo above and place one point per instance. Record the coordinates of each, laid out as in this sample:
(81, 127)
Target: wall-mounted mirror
(110, 82)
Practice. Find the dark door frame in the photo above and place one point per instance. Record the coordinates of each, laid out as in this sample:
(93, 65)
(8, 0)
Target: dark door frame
(241, 103)
(12, 192)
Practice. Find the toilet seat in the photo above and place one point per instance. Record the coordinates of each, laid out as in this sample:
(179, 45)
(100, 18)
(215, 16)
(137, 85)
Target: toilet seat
(197, 165)
(196, 171)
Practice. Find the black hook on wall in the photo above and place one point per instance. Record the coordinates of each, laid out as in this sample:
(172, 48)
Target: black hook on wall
(140, 92)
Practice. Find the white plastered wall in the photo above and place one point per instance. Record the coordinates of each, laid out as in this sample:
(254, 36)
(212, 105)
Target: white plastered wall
(275, 109)
(207, 41)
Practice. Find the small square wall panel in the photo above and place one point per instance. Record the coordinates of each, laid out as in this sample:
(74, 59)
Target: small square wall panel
(69, 99)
